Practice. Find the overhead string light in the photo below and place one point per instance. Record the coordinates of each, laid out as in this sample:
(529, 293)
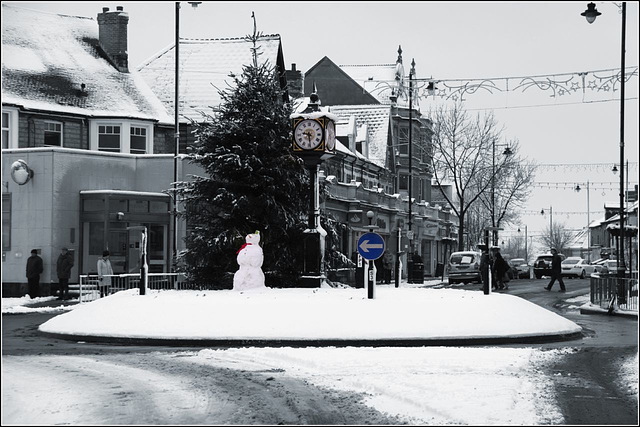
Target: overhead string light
(598, 167)
(611, 186)
(568, 213)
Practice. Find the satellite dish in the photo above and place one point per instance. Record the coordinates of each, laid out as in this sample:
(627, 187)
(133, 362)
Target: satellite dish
(21, 173)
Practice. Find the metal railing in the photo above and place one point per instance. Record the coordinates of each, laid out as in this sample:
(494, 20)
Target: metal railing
(609, 291)
(90, 285)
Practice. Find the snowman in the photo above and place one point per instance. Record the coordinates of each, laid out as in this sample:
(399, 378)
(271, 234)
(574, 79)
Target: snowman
(250, 257)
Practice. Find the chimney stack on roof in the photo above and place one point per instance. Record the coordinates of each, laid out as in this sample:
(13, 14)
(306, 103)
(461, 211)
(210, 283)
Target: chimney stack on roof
(112, 34)
(295, 82)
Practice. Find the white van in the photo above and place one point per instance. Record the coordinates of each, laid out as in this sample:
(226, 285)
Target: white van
(464, 267)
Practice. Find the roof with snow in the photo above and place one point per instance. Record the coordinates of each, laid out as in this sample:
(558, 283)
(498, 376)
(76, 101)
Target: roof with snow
(205, 69)
(46, 58)
(381, 80)
(377, 119)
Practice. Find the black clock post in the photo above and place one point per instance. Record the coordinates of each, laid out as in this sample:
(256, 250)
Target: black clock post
(314, 141)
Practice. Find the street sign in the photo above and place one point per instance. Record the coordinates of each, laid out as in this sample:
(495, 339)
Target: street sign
(371, 246)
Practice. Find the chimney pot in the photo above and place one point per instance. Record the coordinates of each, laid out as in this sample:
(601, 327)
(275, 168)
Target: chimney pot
(293, 67)
(120, 8)
(105, 9)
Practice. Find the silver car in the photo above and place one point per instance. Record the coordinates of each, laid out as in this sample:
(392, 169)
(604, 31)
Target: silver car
(521, 267)
(464, 267)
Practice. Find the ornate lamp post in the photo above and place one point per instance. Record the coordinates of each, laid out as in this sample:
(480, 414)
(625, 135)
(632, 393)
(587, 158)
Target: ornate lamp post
(591, 14)
(314, 140)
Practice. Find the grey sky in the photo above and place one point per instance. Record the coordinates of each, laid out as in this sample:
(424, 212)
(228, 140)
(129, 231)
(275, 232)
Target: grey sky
(448, 40)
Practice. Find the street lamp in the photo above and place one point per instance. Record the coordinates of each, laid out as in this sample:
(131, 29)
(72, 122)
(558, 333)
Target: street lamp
(507, 152)
(577, 190)
(550, 223)
(591, 14)
(526, 247)
(176, 110)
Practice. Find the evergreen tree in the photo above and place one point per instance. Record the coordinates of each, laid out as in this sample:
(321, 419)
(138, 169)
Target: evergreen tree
(253, 182)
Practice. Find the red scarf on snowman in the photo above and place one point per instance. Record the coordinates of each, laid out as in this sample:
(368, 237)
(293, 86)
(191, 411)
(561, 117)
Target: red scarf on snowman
(242, 247)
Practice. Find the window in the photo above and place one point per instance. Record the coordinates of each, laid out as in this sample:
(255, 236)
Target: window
(116, 136)
(9, 127)
(404, 182)
(109, 138)
(96, 238)
(53, 134)
(138, 140)
(6, 220)
(403, 140)
(5, 129)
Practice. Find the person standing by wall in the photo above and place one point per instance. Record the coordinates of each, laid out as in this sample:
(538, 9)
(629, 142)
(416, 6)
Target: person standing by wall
(34, 270)
(556, 271)
(105, 271)
(63, 267)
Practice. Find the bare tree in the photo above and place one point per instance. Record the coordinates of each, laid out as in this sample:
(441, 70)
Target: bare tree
(509, 187)
(559, 238)
(463, 155)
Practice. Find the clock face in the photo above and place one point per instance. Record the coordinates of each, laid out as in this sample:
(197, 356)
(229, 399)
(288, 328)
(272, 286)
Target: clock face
(308, 134)
(331, 136)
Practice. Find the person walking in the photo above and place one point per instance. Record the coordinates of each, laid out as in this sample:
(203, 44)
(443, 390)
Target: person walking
(556, 271)
(105, 271)
(63, 267)
(500, 268)
(34, 270)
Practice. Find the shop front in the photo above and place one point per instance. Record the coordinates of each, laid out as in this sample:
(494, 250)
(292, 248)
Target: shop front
(107, 217)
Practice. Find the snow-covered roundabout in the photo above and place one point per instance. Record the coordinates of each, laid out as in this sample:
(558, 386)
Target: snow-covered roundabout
(314, 316)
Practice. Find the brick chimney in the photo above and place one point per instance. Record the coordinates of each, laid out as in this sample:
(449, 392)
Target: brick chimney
(295, 82)
(112, 34)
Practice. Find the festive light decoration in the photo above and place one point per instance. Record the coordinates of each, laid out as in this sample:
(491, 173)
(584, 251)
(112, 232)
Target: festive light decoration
(558, 85)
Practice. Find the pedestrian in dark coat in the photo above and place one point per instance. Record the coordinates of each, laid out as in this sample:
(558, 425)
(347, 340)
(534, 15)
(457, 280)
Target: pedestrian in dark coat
(63, 267)
(556, 271)
(500, 268)
(34, 270)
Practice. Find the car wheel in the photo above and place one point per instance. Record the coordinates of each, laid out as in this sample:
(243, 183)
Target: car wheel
(538, 276)
(582, 274)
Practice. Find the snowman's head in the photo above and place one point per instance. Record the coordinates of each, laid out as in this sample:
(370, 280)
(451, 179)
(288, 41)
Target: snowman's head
(253, 238)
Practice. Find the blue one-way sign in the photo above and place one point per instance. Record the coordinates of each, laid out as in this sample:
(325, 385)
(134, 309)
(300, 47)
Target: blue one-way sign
(371, 246)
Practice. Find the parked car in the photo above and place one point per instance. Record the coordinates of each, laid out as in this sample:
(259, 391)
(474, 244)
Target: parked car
(521, 268)
(464, 267)
(577, 267)
(609, 266)
(511, 272)
(542, 265)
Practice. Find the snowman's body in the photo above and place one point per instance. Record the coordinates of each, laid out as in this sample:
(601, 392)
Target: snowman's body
(250, 257)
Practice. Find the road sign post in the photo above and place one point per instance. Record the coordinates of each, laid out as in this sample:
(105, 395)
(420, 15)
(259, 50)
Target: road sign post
(371, 247)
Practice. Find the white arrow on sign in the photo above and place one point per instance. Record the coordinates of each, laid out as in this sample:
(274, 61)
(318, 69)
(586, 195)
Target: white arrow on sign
(365, 246)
